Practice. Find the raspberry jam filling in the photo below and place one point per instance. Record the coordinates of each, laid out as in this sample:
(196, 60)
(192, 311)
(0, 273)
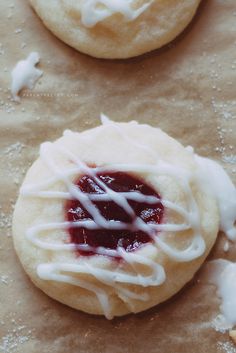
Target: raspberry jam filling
(128, 239)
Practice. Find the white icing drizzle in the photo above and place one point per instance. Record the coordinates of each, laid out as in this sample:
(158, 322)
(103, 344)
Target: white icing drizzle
(25, 74)
(107, 122)
(219, 184)
(222, 273)
(113, 279)
(94, 11)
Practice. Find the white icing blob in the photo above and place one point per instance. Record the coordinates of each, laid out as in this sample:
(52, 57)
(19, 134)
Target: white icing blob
(221, 187)
(222, 273)
(25, 75)
(94, 11)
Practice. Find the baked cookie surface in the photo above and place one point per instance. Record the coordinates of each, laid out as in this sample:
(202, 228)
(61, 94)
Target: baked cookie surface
(116, 29)
(132, 183)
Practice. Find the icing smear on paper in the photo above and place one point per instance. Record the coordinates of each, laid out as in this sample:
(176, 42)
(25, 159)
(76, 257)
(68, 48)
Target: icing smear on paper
(25, 75)
(222, 274)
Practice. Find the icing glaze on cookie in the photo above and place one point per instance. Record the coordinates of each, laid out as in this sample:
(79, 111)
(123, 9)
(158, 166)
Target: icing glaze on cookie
(94, 11)
(218, 183)
(66, 272)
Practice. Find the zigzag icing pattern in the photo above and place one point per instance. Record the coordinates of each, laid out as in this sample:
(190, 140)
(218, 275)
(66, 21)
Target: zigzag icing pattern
(62, 272)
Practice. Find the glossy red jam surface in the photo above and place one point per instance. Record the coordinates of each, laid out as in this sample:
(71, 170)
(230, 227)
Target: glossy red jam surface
(110, 238)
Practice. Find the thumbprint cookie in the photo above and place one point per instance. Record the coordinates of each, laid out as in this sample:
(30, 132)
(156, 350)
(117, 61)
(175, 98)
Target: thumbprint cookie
(118, 218)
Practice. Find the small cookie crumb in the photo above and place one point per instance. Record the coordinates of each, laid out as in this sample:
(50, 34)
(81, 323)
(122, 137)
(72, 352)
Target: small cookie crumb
(226, 246)
(232, 335)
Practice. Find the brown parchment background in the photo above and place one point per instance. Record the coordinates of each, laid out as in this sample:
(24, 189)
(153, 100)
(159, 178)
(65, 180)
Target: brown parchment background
(187, 89)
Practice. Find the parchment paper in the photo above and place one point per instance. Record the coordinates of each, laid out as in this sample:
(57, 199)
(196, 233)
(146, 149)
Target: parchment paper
(187, 89)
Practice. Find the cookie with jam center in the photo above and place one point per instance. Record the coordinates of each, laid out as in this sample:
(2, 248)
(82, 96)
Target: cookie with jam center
(115, 219)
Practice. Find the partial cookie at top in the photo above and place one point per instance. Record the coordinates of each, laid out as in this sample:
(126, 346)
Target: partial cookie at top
(116, 29)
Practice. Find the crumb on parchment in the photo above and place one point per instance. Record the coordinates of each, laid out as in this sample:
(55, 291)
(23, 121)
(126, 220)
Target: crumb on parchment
(232, 335)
